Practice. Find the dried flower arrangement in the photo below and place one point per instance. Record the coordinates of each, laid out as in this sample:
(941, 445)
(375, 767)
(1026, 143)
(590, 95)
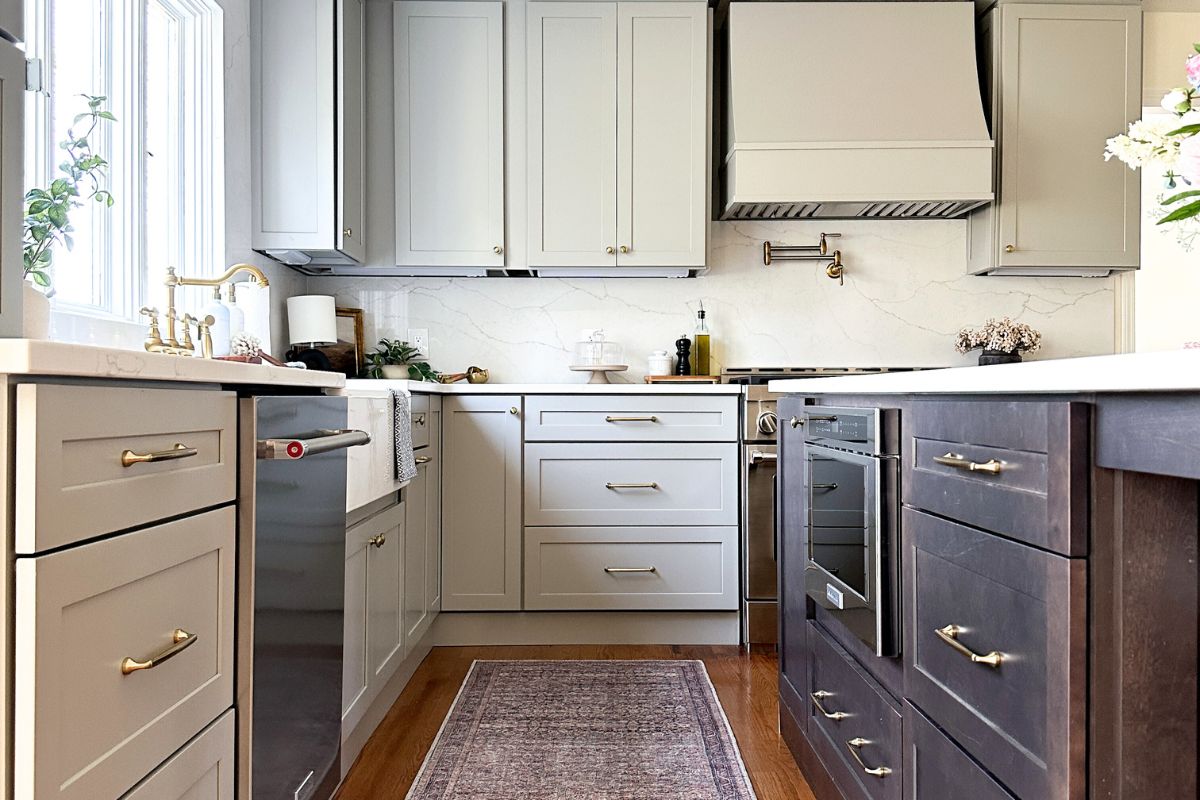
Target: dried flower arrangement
(1000, 335)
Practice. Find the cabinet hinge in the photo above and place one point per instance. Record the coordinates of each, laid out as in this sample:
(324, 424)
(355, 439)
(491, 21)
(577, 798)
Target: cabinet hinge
(35, 75)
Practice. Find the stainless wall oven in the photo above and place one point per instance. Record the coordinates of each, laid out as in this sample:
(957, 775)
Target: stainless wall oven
(851, 480)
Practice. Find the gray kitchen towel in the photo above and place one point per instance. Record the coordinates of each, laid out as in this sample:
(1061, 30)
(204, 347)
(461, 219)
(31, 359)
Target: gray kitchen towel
(406, 465)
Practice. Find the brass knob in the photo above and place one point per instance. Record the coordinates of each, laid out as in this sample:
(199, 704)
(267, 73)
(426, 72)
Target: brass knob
(497, 249)
(348, 232)
(1010, 248)
(609, 250)
(513, 410)
(624, 249)
(378, 541)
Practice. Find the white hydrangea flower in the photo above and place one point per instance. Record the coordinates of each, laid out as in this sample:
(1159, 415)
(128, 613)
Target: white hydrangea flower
(1176, 101)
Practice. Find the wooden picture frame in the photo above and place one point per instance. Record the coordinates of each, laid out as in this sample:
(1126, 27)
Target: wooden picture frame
(348, 354)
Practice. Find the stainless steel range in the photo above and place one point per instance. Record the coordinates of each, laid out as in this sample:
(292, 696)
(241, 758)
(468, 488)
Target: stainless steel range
(760, 544)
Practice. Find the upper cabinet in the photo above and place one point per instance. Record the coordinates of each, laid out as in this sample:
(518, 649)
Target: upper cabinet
(308, 131)
(618, 98)
(1062, 79)
(449, 83)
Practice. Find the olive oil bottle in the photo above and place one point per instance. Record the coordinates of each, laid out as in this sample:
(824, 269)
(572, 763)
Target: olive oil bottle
(702, 345)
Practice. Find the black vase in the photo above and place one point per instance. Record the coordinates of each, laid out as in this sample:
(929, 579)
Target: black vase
(989, 357)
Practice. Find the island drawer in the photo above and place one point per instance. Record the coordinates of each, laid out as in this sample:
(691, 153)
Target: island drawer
(202, 770)
(92, 460)
(631, 569)
(631, 418)
(995, 633)
(854, 719)
(1016, 468)
(420, 407)
(631, 484)
(938, 768)
(125, 652)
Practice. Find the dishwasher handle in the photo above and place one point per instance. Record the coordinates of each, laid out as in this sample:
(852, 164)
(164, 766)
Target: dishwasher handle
(325, 441)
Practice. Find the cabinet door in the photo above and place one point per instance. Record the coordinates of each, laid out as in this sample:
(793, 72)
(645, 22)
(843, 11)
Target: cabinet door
(416, 517)
(449, 133)
(351, 131)
(12, 137)
(1061, 204)
(386, 579)
(354, 631)
(662, 133)
(433, 520)
(481, 506)
(572, 97)
(791, 518)
(202, 770)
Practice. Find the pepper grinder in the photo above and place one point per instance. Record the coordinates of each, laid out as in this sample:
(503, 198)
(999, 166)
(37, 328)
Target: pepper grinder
(683, 346)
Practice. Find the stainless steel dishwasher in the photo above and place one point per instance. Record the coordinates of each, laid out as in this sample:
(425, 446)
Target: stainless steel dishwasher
(298, 557)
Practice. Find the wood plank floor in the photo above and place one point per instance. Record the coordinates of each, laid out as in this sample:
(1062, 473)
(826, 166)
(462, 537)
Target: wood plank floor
(746, 685)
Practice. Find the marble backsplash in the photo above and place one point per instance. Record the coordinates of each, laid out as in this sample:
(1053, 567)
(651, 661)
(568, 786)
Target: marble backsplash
(905, 296)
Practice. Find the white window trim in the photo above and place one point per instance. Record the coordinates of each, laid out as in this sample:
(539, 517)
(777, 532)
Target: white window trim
(122, 236)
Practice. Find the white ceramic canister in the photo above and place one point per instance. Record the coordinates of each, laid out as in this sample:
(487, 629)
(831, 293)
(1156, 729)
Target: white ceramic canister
(659, 363)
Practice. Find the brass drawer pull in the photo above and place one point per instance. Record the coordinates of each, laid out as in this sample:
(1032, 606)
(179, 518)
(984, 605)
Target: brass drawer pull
(419, 419)
(817, 697)
(422, 459)
(991, 466)
(650, 418)
(622, 570)
(378, 541)
(949, 635)
(181, 640)
(853, 745)
(650, 485)
(129, 458)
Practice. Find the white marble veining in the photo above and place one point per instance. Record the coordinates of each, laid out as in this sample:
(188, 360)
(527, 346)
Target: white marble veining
(62, 359)
(370, 386)
(905, 296)
(1171, 371)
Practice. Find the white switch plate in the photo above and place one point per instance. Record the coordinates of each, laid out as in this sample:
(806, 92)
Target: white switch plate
(419, 338)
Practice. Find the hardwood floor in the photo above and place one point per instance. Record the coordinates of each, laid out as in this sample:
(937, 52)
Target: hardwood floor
(746, 685)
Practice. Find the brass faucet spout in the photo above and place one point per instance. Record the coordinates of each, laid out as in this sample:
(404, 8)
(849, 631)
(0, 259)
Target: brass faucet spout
(253, 271)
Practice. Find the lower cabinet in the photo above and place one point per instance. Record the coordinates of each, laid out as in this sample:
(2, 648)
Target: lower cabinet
(937, 768)
(422, 540)
(202, 770)
(481, 503)
(374, 616)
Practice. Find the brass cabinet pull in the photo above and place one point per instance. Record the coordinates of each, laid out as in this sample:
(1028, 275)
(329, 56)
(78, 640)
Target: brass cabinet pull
(514, 410)
(419, 419)
(129, 458)
(378, 541)
(423, 459)
(180, 640)
(795, 422)
(347, 232)
(991, 466)
(497, 249)
(650, 418)
(1010, 248)
(609, 250)
(817, 697)
(620, 570)
(624, 249)
(853, 745)
(650, 485)
(949, 635)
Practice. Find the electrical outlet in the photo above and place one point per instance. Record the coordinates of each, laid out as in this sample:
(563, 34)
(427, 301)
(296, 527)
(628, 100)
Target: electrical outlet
(419, 338)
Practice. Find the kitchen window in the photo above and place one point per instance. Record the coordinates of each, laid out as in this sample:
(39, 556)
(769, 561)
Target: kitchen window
(159, 64)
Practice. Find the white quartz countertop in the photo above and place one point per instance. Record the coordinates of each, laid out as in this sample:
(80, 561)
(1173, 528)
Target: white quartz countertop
(62, 359)
(1174, 371)
(545, 388)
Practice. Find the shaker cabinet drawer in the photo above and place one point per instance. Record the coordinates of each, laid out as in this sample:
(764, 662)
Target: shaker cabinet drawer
(937, 768)
(1019, 468)
(125, 651)
(625, 418)
(203, 770)
(631, 484)
(95, 460)
(853, 717)
(996, 638)
(632, 569)
(420, 419)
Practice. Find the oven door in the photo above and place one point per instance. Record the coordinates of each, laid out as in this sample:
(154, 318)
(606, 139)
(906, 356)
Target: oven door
(849, 536)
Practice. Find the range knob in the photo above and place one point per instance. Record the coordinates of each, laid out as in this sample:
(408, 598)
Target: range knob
(767, 422)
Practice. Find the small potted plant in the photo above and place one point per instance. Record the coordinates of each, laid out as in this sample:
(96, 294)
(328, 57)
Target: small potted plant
(47, 213)
(1002, 341)
(398, 360)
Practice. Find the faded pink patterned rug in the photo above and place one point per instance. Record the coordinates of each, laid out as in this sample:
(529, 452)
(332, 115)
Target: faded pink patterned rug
(584, 730)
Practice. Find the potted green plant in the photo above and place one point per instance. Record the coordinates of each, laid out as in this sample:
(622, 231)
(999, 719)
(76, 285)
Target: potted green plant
(399, 360)
(47, 212)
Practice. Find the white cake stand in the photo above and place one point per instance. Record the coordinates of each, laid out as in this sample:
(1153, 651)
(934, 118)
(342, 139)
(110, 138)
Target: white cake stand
(599, 371)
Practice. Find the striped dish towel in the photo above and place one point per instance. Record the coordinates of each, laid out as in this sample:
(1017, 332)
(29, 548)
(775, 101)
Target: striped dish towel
(405, 464)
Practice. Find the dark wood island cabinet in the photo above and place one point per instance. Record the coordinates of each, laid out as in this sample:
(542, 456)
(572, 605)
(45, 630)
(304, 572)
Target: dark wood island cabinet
(1049, 612)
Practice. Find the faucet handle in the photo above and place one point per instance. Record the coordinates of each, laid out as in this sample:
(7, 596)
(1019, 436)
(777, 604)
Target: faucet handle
(185, 343)
(153, 341)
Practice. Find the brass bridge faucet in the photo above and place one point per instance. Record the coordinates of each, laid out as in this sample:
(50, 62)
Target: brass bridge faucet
(157, 343)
